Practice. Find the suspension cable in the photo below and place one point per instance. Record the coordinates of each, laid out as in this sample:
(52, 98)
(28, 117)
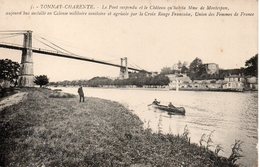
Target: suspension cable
(9, 36)
(68, 52)
(56, 45)
(3, 31)
(48, 45)
(67, 43)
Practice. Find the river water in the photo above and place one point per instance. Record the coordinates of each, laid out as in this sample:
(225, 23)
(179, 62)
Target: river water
(229, 115)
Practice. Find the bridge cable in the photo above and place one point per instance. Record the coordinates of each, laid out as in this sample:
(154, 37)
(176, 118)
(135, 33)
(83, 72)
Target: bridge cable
(48, 45)
(59, 50)
(59, 40)
(72, 47)
(57, 45)
(2, 34)
(66, 51)
(13, 31)
(10, 36)
(136, 66)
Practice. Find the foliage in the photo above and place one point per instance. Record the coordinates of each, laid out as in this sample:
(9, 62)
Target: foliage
(218, 149)
(160, 80)
(57, 94)
(236, 151)
(41, 80)
(99, 81)
(223, 73)
(179, 64)
(166, 70)
(185, 64)
(184, 69)
(160, 129)
(9, 70)
(202, 139)
(186, 133)
(209, 142)
(196, 68)
(251, 66)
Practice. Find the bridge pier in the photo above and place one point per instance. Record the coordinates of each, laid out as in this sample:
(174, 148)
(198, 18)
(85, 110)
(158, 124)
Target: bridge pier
(123, 69)
(26, 72)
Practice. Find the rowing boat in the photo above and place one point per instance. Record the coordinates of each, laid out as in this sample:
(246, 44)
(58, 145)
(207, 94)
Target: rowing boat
(170, 110)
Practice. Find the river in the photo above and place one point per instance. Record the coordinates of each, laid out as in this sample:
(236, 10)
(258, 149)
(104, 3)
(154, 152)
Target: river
(229, 115)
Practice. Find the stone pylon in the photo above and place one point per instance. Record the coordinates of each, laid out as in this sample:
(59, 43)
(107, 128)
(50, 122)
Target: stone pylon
(26, 71)
(124, 69)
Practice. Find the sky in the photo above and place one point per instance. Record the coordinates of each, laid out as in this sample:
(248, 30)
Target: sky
(148, 42)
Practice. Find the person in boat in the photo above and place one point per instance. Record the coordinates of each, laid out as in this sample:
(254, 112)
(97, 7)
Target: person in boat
(170, 105)
(156, 102)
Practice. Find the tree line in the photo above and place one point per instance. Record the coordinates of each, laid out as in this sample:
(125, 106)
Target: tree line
(198, 71)
(9, 71)
(135, 79)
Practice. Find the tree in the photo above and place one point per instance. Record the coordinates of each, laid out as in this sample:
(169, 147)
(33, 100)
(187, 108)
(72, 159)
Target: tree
(184, 70)
(41, 80)
(160, 80)
(9, 70)
(166, 70)
(251, 66)
(99, 81)
(185, 63)
(196, 68)
(179, 65)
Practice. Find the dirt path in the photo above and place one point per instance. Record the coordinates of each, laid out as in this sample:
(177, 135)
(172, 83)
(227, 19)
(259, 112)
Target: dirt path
(13, 99)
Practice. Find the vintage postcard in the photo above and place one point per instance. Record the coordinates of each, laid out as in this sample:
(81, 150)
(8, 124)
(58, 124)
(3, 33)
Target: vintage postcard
(129, 83)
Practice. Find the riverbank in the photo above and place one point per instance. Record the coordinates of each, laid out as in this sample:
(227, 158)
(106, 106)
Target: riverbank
(167, 89)
(44, 131)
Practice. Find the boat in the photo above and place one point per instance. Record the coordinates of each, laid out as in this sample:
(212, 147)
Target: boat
(170, 110)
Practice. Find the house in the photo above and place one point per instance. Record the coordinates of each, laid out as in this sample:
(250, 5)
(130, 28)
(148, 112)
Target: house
(251, 83)
(234, 82)
(227, 72)
(178, 80)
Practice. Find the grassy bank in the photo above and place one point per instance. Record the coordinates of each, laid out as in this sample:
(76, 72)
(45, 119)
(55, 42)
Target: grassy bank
(45, 131)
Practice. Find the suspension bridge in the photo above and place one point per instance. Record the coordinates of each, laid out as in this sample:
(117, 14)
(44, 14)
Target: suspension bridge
(26, 72)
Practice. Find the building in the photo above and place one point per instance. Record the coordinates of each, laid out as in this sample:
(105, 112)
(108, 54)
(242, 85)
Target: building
(234, 82)
(234, 78)
(227, 72)
(212, 68)
(251, 83)
(178, 80)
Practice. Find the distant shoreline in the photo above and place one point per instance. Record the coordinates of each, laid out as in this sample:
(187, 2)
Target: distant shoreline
(164, 89)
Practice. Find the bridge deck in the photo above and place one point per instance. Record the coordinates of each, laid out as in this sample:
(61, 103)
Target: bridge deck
(64, 55)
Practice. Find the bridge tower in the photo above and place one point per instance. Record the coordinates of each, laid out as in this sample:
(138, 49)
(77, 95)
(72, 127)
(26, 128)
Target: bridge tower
(123, 69)
(26, 71)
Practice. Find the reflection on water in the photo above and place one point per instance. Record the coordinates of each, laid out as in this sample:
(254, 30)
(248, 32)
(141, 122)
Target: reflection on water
(230, 115)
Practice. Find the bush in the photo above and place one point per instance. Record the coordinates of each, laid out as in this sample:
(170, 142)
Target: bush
(61, 95)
